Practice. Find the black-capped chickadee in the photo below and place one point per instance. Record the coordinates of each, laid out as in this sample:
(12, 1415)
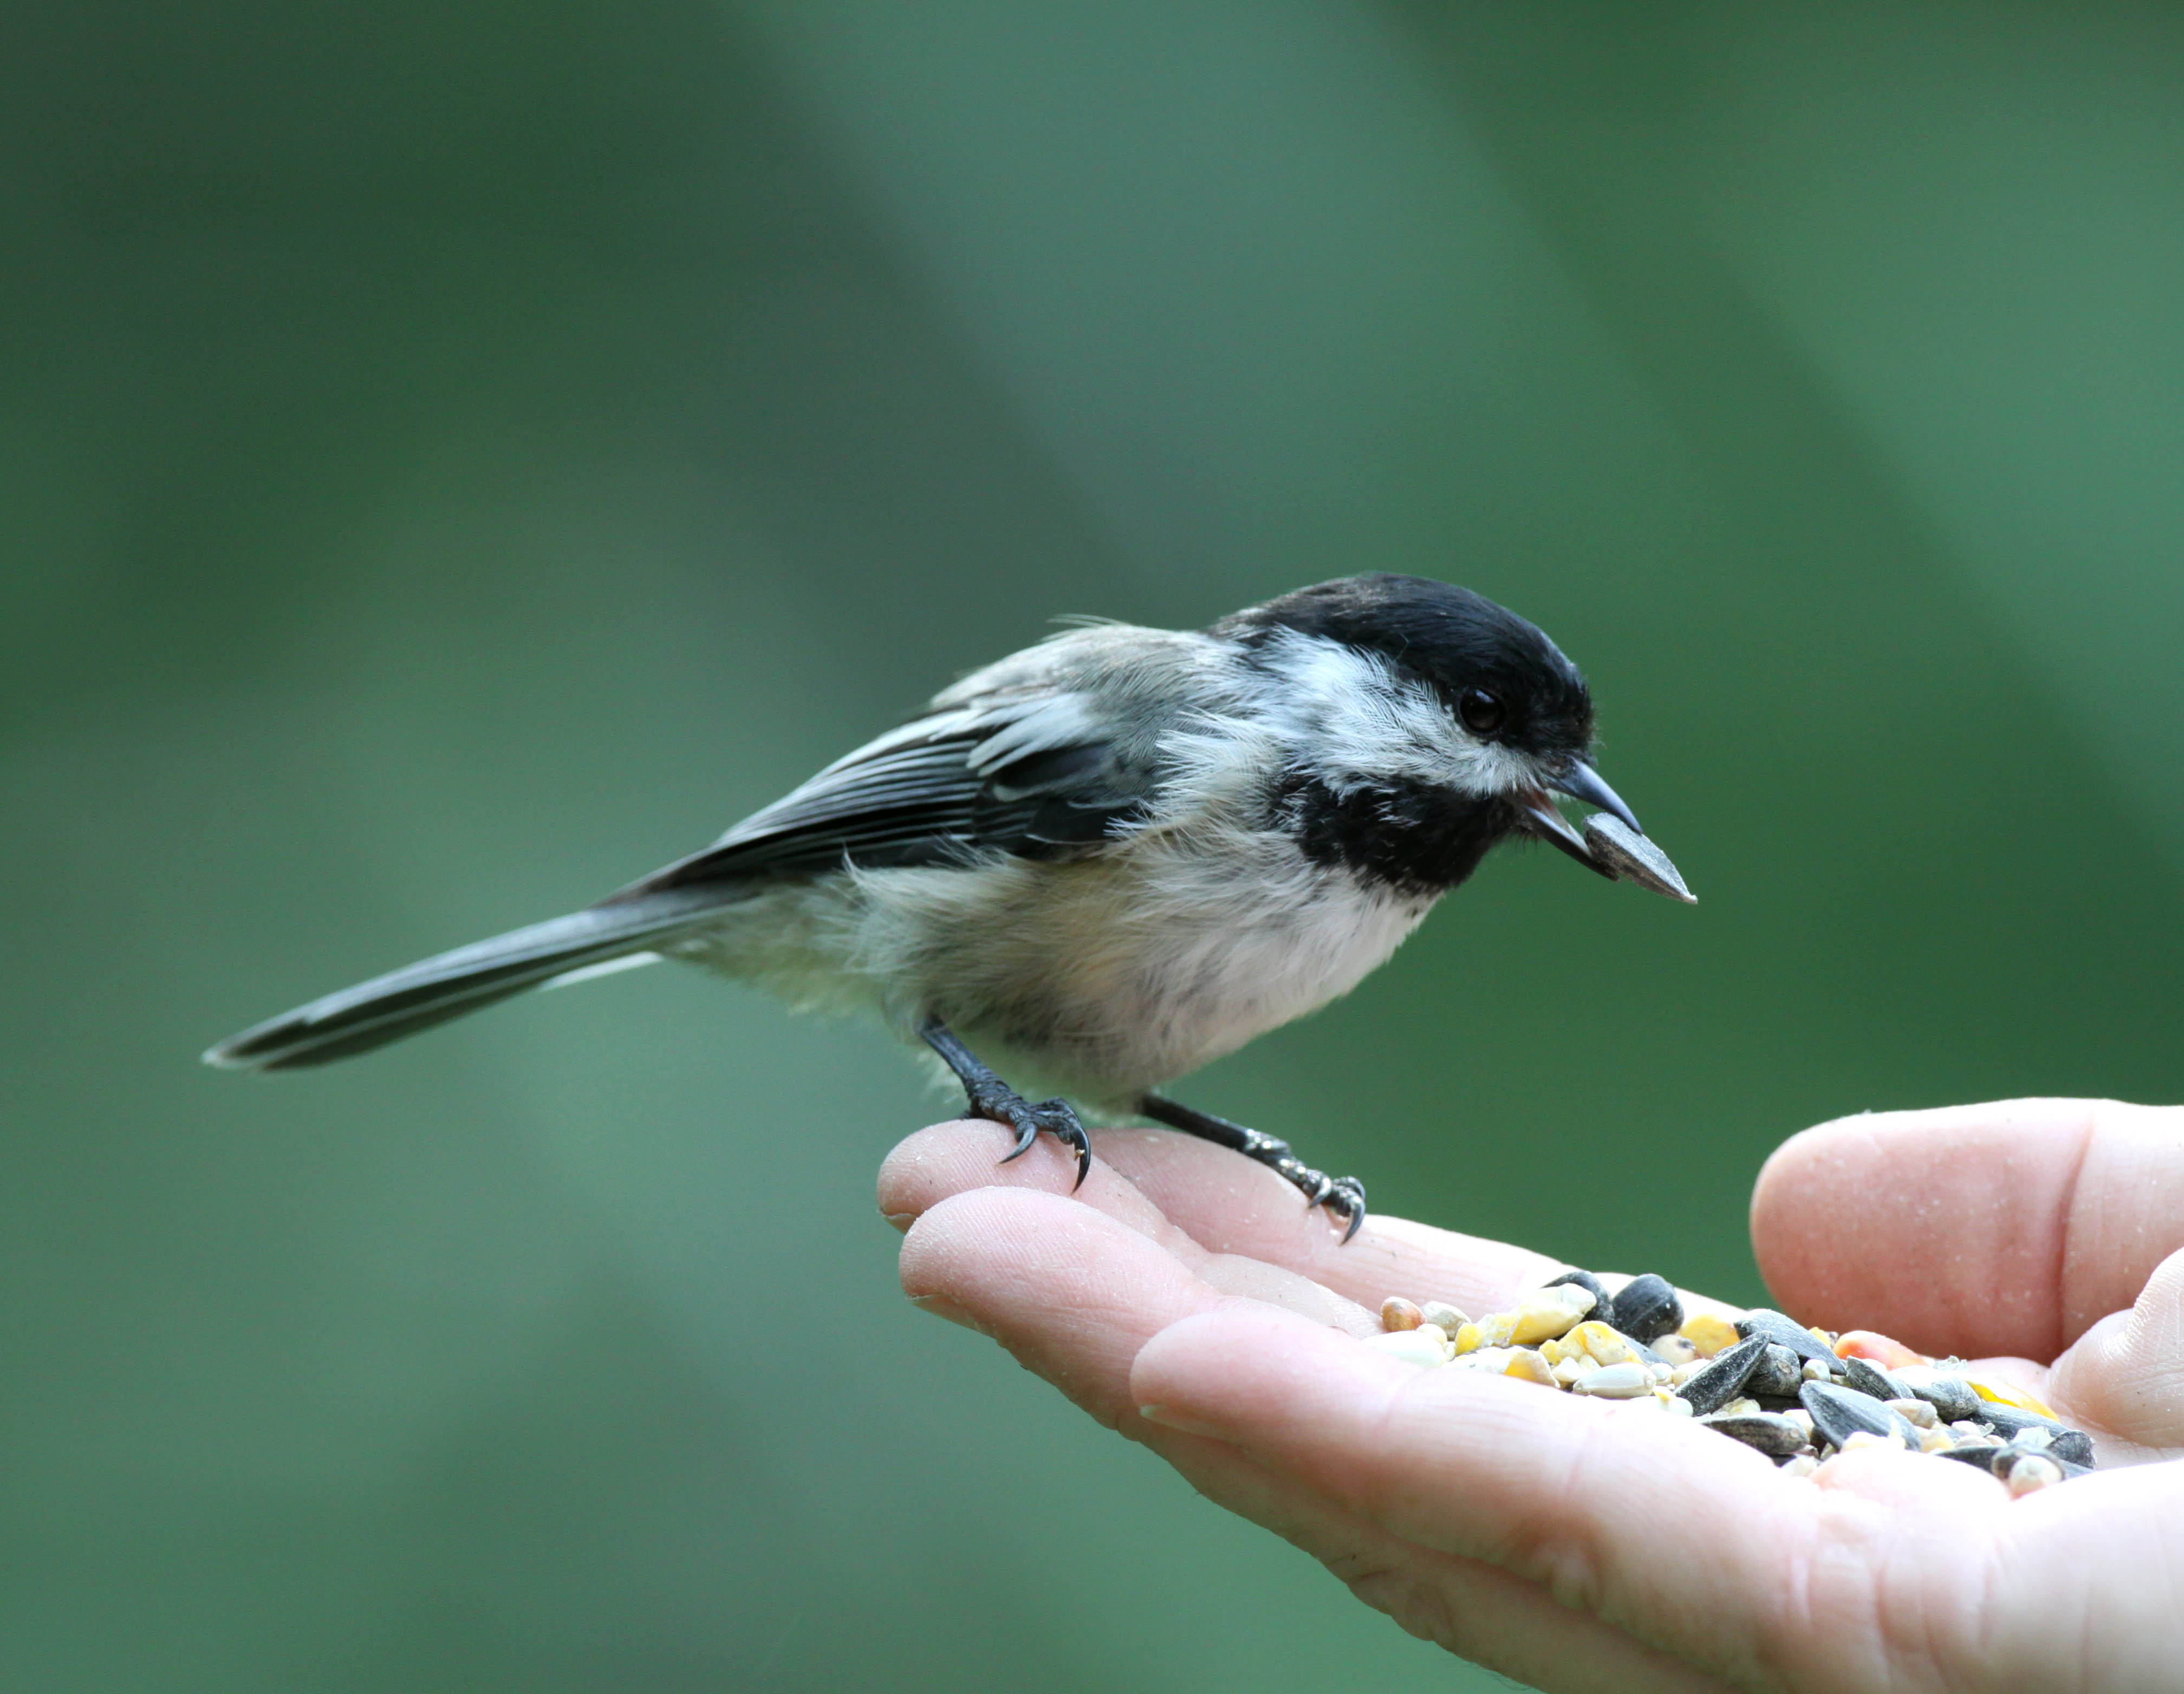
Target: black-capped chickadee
(1113, 856)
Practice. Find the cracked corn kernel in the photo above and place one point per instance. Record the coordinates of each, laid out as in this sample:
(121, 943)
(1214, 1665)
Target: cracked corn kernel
(1710, 1334)
(1601, 1343)
(2001, 1393)
(1548, 1313)
(1496, 1328)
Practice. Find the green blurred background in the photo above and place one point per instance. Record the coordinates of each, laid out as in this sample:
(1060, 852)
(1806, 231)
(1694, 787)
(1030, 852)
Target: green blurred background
(455, 457)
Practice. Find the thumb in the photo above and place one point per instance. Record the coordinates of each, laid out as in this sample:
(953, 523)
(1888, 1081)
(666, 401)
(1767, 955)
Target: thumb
(2126, 1373)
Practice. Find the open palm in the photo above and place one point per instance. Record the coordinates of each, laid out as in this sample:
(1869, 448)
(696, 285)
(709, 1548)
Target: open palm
(1184, 1299)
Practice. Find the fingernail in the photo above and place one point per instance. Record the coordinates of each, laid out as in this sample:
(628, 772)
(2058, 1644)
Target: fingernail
(941, 1306)
(1170, 1419)
(901, 1220)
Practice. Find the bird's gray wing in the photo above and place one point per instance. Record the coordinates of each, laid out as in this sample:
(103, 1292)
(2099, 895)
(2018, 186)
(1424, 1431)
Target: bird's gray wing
(1045, 755)
(1025, 771)
(1028, 771)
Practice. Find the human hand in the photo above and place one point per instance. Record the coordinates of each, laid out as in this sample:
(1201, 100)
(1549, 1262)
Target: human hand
(1184, 1298)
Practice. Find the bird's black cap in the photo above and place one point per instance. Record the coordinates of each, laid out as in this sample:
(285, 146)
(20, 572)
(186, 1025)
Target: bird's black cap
(1449, 638)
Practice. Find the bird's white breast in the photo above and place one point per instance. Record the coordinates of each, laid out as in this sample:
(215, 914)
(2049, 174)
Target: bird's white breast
(1114, 975)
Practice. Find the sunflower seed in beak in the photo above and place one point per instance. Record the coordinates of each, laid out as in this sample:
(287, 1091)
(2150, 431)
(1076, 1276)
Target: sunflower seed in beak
(1630, 857)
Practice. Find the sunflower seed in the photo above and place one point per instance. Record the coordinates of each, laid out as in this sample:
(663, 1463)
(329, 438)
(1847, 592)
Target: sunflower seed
(1646, 1309)
(1723, 1378)
(1764, 1430)
(1630, 857)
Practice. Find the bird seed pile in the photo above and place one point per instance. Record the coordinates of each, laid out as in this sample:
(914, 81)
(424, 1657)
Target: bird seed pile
(1799, 1396)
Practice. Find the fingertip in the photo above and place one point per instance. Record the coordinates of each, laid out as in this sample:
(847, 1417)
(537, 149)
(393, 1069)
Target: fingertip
(1797, 1198)
(1169, 1419)
(1942, 1228)
(1071, 1291)
(921, 1170)
(2125, 1373)
(1245, 1356)
(947, 1159)
(969, 1239)
(1189, 1344)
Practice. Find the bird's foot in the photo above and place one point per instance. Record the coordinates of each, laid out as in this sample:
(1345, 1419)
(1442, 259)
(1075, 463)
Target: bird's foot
(1344, 1197)
(1004, 1105)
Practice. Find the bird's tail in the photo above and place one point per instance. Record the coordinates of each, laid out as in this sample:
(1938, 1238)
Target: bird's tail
(434, 990)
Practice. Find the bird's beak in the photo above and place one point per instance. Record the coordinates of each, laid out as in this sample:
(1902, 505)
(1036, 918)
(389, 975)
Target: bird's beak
(1544, 818)
(1581, 782)
(1613, 844)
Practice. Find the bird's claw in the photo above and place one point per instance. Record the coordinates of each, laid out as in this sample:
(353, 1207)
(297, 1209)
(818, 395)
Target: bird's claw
(1055, 1117)
(1345, 1199)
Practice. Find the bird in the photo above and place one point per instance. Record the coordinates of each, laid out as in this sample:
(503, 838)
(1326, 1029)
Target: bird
(1106, 860)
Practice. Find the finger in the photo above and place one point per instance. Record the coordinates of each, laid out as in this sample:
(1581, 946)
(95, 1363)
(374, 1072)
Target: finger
(1664, 1529)
(1068, 1290)
(2126, 1374)
(955, 1158)
(1233, 1204)
(1190, 1195)
(2004, 1228)
(1073, 1292)
(1471, 1609)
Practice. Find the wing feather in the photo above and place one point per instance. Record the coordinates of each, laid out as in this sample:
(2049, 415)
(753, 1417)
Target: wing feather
(1028, 772)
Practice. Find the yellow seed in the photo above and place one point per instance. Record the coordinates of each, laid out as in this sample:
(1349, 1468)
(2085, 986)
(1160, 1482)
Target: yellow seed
(1528, 1366)
(1552, 1312)
(2006, 1394)
(1567, 1370)
(1467, 1339)
(1601, 1343)
(1710, 1334)
(1497, 1329)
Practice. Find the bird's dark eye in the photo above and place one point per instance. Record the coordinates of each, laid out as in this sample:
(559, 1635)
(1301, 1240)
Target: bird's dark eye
(1482, 712)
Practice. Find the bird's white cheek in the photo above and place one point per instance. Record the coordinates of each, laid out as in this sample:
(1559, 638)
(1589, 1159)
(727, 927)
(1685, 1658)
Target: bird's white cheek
(1351, 719)
(1406, 737)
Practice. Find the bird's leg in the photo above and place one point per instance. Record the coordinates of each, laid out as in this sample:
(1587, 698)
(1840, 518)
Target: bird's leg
(1343, 1196)
(988, 1096)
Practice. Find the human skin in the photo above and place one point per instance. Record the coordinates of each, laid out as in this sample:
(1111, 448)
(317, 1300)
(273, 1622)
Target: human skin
(1184, 1298)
